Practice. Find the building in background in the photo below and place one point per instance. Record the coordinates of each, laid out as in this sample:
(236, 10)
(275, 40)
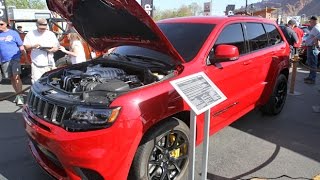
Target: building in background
(264, 12)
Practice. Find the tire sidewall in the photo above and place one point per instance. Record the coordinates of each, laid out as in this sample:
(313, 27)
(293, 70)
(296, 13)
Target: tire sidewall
(147, 145)
(271, 106)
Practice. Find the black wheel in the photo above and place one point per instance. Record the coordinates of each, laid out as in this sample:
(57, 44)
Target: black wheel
(64, 61)
(278, 97)
(163, 153)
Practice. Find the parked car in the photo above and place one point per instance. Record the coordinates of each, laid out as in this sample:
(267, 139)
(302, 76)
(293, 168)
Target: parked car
(118, 117)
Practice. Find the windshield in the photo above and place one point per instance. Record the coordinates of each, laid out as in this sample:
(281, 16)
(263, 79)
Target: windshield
(187, 39)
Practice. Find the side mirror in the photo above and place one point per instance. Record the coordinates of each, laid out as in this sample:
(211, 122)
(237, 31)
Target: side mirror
(224, 53)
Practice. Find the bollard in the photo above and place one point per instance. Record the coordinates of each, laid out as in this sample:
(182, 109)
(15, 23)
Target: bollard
(294, 73)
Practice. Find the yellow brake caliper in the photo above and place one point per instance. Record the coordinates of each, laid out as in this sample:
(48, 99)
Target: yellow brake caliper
(177, 152)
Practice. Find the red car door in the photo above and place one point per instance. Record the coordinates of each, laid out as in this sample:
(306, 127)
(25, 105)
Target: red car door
(234, 78)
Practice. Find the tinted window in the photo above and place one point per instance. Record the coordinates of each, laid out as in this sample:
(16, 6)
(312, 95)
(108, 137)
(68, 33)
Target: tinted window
(187, 38)
(140, 51)
(273, 33)
(232, 35)
(256, 36)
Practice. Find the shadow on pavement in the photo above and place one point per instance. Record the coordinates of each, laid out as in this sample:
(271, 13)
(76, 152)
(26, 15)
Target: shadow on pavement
(267, 162)
(16, 162)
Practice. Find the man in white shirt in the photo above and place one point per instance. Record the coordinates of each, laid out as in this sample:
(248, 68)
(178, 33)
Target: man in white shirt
(312, 43)
(42, 43)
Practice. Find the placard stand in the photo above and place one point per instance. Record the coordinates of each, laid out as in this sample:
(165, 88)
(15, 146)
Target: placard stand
(192, 145)
(201, 94)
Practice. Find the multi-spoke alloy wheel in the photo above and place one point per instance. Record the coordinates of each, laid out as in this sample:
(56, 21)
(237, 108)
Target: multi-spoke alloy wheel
(169, 156)
(163, 153)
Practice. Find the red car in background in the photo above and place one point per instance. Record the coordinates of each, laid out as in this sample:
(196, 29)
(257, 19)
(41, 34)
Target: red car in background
(117, 117)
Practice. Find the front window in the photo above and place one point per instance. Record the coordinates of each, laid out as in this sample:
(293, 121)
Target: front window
(187, 39)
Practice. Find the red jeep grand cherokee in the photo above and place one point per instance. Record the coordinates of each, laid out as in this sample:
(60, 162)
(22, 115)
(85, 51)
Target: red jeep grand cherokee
(118, 117)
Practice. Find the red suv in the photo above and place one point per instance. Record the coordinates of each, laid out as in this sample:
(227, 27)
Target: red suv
(118, 117)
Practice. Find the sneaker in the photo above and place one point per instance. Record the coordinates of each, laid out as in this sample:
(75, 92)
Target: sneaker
(309, 81)
(15, 99)
(20, 100)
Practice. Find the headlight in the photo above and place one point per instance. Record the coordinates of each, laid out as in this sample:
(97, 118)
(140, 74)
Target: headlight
(88, 118)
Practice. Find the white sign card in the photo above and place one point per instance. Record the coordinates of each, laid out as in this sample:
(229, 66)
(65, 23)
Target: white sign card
(198, 91)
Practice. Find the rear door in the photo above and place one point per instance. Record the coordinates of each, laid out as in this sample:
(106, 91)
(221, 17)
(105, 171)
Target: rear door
(260, 59)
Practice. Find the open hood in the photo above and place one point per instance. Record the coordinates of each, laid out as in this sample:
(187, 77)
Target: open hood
(110, 23)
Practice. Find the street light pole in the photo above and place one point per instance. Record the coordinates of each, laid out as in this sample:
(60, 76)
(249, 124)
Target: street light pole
(246, 6)
(211, 10)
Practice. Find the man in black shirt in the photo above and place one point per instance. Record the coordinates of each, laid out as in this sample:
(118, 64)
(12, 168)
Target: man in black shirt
(290, 35)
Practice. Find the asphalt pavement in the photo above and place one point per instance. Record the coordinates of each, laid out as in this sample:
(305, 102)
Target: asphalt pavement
(285, 146)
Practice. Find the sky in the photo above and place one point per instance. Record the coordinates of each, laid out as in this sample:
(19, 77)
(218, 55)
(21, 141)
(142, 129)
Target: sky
(218, 6)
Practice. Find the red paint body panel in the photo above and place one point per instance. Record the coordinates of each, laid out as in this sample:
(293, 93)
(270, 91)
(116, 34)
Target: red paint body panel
(247, 83)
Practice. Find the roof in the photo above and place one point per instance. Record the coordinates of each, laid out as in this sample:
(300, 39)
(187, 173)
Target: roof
(213, 19)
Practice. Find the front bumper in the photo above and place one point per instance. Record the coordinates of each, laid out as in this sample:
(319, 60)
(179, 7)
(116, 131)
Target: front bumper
(101, 154)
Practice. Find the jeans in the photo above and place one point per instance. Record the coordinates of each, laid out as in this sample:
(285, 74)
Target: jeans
(312, 61)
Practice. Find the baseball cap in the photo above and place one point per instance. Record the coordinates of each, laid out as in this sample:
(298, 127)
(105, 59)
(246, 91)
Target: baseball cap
(42, 23)
(313, 18)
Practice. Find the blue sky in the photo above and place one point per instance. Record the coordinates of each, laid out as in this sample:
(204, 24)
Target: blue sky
(218, 5)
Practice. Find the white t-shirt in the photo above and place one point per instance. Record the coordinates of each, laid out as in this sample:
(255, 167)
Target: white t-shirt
(81, 57)
(47, 39)
(315, 32)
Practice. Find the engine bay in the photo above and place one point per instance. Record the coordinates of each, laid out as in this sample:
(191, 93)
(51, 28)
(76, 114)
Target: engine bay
(102, 81)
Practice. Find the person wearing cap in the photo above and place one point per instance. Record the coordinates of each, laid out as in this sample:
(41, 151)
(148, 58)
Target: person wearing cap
(312, 43)
(42, 43)
(19, 29)
(11, 48)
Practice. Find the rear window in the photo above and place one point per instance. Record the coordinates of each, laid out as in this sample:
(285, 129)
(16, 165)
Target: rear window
(187, 38)
(257, 36)
(273, 34)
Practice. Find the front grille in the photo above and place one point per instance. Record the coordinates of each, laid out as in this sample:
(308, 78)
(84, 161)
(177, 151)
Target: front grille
(46, 110)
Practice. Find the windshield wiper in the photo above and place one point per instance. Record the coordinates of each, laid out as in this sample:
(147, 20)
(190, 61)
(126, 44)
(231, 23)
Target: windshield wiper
(120, 56)
(149, 59)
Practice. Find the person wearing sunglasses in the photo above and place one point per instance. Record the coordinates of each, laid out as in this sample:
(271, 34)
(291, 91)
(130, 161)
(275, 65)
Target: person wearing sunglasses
(11, 48)
(42, 43)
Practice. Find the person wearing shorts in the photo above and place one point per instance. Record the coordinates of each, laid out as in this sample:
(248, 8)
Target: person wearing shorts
(11, 47)
(42, 43)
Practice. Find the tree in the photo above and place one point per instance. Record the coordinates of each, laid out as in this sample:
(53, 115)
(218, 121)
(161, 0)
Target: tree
(195, 8)
(27, 4)
(190, 10)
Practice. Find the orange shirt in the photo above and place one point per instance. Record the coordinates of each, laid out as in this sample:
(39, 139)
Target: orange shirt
(299, 33)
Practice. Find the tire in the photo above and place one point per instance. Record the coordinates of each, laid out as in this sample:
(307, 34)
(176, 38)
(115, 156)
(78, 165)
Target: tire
(169, 159)
(278, 97)
(63, 62)
(0, 76)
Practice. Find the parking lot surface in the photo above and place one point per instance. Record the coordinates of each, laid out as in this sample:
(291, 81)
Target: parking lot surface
(285, 146)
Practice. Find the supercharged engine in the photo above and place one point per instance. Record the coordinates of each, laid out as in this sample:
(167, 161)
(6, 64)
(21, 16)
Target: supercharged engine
(100, 81)
(98, 78)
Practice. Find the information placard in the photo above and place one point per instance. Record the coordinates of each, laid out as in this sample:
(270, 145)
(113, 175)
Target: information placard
(199, 92)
